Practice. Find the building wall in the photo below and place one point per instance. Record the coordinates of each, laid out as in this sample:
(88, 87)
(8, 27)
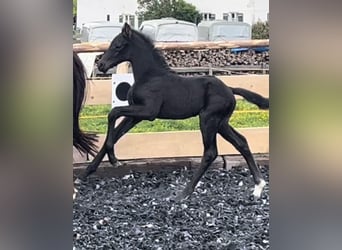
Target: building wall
(97, 10)
(253, 10)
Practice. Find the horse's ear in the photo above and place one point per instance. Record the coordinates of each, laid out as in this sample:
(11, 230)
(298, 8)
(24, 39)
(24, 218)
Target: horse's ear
(126, 30)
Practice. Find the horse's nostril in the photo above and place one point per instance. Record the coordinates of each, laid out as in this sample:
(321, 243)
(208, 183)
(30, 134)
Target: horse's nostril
(102, 67)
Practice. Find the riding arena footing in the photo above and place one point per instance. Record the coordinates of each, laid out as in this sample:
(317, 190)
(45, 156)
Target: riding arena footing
(137, 210)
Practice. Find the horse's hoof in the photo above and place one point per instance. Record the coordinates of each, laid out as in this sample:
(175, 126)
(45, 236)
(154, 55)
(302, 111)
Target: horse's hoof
(74, 194)
(258, 189)
(182, 196)
(77, 180)
(112, 159)
(82, 177)
(116, 164)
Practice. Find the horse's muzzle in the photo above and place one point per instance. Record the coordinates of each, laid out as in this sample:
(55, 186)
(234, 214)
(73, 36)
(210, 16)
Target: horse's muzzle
(102, 67)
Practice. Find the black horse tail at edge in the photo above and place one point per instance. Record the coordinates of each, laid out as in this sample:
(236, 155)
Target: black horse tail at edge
(260, 101)
(83, 142)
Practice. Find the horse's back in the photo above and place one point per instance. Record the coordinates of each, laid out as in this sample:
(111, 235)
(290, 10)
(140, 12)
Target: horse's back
(185, 97)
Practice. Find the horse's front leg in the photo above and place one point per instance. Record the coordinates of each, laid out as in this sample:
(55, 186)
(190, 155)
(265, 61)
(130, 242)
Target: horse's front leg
(92, 167)
(133, 115)
(114, 134)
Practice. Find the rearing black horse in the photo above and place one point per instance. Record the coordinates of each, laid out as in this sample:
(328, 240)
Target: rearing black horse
(158, 92)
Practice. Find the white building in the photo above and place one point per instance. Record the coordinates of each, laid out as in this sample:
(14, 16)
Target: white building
(102, 10)
(252, 10)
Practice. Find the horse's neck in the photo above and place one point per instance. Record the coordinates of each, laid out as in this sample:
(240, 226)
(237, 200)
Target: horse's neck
(146, 64)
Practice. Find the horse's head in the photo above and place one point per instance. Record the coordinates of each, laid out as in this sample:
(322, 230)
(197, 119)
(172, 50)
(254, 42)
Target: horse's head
(118, 50)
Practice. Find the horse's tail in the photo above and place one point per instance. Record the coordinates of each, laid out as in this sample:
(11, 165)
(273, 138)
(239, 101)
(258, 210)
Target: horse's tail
(260, 101)
(84, 142)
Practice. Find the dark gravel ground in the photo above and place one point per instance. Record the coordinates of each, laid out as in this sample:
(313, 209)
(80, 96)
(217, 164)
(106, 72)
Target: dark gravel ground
(137, 211)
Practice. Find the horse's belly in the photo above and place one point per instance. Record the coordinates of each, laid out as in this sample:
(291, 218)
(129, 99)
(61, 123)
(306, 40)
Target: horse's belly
(179, 109)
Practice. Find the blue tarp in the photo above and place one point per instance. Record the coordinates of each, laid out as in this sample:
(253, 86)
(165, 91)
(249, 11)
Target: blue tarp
(257, 49)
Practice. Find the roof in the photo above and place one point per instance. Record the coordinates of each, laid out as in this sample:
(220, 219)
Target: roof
(167, 20)
(102, 24)
(214, 22)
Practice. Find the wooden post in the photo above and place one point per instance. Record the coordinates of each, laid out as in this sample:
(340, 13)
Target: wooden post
(122, 68)
(210, 69)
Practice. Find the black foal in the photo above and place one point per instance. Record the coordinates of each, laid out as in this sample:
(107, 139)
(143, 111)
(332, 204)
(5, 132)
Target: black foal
(158, 92)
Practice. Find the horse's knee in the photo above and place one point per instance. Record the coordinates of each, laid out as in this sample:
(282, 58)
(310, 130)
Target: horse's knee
(111, 116)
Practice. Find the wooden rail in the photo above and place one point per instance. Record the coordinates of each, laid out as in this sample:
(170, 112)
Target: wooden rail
(100, 91)
(180, 144)
(101, 47)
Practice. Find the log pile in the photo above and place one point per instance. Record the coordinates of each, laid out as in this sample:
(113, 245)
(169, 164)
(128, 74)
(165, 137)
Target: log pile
(217, 55)
(214, 57)
(222, 61)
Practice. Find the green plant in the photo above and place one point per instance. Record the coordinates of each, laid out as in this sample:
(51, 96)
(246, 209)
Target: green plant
(179, 9)
(245, 115)
(260, 30)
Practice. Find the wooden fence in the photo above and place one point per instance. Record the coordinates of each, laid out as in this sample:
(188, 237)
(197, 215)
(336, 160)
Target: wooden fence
(99, 91)
(100, 47)
(180, 143)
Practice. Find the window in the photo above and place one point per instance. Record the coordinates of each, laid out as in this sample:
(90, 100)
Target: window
(208, 16)
(125, 18)
(148, 31)
(140, 20)
(104, 34)
(132, 20)
(176, 33)
(240, 17)
(230, 32)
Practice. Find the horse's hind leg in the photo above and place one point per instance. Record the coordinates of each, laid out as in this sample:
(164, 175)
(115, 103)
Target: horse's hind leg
(209, 126)
(240, 143)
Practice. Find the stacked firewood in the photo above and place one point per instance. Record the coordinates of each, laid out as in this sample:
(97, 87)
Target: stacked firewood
(214, 57)
(222, 61)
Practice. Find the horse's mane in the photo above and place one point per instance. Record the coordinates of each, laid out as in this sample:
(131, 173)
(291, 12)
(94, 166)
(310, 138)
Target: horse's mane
(157, 54)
